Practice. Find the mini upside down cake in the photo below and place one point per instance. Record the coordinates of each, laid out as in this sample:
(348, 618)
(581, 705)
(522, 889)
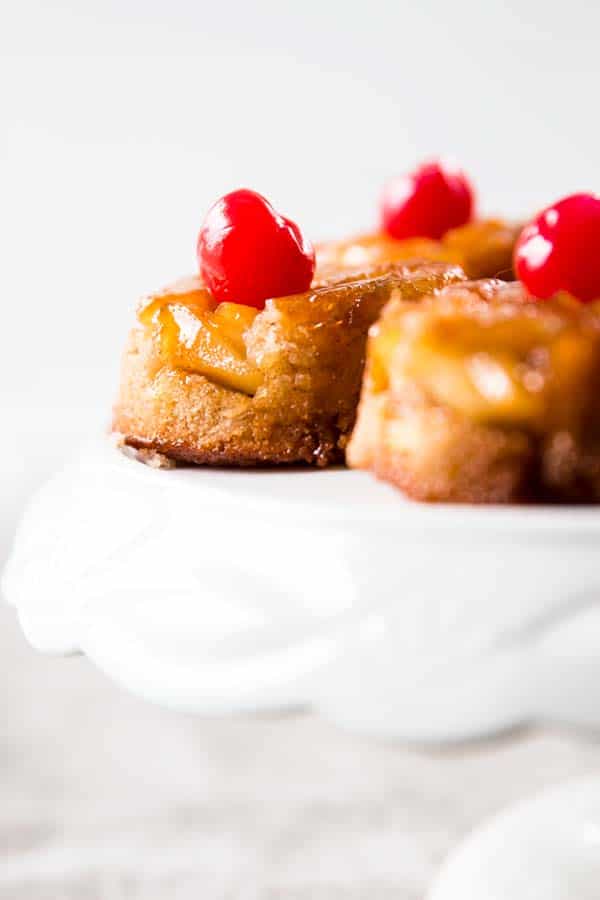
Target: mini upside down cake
(483, 394)
(483, 248)
(230, 384)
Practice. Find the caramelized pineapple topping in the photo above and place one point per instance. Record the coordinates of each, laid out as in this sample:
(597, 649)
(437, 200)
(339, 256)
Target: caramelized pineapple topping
(485, 351)
(198, 335)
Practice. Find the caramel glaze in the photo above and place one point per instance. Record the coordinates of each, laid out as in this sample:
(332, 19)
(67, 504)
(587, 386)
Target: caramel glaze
(483, 394)
(196, 334)
(487, 351)
(224, 343)
(483, 249)
(229, 385)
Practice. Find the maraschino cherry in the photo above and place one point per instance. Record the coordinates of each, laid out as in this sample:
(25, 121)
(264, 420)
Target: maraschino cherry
(248, 252)
(427, 202)
(560, 249)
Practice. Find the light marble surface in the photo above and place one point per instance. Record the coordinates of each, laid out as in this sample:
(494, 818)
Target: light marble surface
(103, 796)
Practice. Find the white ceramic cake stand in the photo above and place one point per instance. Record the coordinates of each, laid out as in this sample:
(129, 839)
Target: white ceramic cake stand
(220, 590)
(547, 848)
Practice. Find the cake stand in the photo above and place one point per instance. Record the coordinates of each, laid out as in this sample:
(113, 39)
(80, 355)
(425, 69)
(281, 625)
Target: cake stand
(213, 591)
(545, 848)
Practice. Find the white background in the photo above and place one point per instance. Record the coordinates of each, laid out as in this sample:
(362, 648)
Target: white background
(122, 120)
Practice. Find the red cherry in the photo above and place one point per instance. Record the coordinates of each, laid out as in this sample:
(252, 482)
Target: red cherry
(247, 252)
(560, 249)
(427, 202)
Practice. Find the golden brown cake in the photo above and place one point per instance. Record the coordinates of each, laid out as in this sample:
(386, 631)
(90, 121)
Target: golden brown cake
(483, 395)
(483, 248)
(229, 384)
